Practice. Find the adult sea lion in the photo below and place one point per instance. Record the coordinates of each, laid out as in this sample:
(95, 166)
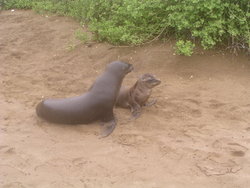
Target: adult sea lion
(138, 95)
(96, 104)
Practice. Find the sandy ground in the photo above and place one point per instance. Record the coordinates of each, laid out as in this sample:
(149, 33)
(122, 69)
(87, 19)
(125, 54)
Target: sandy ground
(197, 135)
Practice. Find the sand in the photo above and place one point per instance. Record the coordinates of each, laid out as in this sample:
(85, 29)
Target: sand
(197, 135)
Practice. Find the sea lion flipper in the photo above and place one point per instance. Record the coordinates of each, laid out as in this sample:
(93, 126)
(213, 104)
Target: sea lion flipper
(135, 115)
(108, 128)
(151, 103)
(135, 110)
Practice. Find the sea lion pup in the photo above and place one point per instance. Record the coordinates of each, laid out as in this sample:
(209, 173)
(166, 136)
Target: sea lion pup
(96, 104)
(138, 95)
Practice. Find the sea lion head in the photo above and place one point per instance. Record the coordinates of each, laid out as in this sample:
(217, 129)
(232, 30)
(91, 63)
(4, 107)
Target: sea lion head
(149, 80)
(119, 67)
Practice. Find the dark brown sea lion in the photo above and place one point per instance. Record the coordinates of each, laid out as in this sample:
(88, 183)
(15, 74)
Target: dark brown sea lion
(138, 95)
(96, 104)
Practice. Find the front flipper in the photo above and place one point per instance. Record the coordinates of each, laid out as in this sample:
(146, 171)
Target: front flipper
(108, 128)
(151, 103)
(136, 111)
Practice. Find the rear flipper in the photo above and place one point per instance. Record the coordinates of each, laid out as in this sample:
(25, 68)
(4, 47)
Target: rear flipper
(108, 128)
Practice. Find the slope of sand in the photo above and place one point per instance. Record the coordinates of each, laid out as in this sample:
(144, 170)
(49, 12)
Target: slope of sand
(197, 135)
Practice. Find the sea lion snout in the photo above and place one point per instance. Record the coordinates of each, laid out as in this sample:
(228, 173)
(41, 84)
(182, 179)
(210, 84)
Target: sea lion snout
(157, 82)
(120, 67)
(149, 80)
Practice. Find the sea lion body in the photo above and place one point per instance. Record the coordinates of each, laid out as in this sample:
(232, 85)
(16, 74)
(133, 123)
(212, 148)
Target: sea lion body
(96, 104)
(138, 95)
(70, 110)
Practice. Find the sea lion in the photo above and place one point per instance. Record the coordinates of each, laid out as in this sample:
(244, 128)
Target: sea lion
(138, 95)
(96, 104)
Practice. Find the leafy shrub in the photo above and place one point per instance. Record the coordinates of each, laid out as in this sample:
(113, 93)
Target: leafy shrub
(20, 4)
(43, 6)
(184, 47)
(126, 21)
(210, 22)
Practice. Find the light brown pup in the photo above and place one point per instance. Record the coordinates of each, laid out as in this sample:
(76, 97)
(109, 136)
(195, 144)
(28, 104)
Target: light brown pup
(138, 95)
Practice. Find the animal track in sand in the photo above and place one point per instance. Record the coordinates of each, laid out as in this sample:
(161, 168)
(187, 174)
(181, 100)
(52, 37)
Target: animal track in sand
(132, 139)
(7, 149)
(61, 184)
(212, 166)
(229, 147)
(169, 152)
(229, 111)
(181, 108)
(53, 165)
(215, 104)
(11, 170)
(80, 161)
(196, 134)
(13, 185)
(222, 161)
(247, 129)
(237, 153)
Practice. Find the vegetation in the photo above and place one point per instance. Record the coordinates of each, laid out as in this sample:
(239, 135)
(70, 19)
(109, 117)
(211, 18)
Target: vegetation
(184, 47)
(209, 23)
(82, 36)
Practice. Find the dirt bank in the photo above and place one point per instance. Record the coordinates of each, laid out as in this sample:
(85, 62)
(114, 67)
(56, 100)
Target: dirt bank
(197, 135)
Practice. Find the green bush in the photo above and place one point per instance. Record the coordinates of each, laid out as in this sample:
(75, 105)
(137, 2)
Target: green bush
(209, 23)
(184, 47)
(20, 4)
(126, 21)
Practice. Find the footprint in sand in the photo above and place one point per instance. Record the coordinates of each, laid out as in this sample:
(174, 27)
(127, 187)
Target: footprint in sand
(7, 150)
(170, 152)
(247, 129)
(237, 153)
(218, 166)
(13, 185)
(227, 146)
(181, 108)
(223, 161)
(80, 162)
(132, 139)
(61, 184)
(214, 104)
